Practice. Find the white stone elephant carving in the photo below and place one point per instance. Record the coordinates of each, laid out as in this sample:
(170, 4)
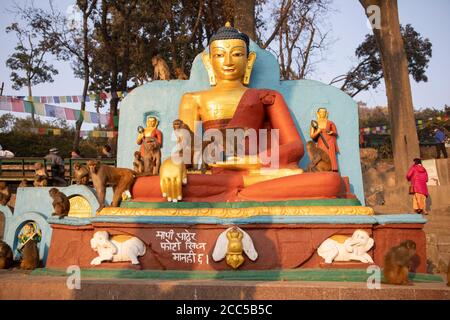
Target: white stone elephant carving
(353, 248)
(120, 248)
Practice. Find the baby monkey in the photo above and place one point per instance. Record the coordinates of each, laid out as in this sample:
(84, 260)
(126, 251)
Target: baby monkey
(138, 162)
(40, 175)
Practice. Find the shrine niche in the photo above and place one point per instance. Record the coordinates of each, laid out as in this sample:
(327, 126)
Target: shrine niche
(79, 207)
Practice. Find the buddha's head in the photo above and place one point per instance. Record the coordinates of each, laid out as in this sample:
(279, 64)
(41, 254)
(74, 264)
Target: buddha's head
(322, 113)
(229, 57)
(152, 122)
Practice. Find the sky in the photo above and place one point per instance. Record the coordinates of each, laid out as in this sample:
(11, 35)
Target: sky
(348, 27)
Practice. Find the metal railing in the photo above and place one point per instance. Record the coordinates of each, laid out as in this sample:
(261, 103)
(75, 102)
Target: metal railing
(19, 168)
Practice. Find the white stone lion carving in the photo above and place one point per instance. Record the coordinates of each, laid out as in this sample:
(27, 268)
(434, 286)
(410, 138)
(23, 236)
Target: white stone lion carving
(352, 248)
(119, 248)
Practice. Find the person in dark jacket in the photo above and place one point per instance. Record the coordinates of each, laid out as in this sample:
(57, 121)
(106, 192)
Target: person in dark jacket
(57, 165)
(418, 177)
(439, 136)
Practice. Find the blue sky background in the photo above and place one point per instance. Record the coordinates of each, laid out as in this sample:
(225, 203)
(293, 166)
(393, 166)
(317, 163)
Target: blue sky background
(348, 27)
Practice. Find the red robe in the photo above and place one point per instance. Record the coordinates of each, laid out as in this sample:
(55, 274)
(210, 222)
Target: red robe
(155, 134)
(332, 143)
(266, 109)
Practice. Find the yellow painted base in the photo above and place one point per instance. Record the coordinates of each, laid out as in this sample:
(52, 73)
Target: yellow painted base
(240, 212)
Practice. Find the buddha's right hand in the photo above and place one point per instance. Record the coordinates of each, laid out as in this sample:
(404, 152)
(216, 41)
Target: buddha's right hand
(172, 176)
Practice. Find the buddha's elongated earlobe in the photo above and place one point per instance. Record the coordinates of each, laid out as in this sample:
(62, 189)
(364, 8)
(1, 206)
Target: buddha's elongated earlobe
(207, 63)
(248, 70)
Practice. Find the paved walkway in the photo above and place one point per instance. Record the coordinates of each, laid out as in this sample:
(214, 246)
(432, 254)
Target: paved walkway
(16, 284)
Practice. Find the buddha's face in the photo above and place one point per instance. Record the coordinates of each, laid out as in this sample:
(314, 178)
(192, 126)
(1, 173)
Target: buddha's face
(322, 113)
(228, 58)
(28, 229)
(151, 122)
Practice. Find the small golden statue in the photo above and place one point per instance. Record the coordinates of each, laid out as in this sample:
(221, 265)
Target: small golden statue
(235, 248)
(324, 132)
(231, 245)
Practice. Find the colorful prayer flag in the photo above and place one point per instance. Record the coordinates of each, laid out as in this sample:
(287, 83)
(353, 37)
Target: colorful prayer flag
(50, 110)
(28, 106)
(39, 108)
(60, 113)
(70, 115)
(94, 117)
(18, 106)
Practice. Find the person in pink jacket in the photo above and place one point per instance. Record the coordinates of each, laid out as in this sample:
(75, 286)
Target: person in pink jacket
(418, 177)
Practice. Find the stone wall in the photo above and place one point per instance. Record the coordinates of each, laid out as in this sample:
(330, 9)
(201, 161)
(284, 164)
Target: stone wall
(386, 198)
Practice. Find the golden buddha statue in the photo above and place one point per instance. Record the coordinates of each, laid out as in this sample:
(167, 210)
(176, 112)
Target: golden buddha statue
(230, 104)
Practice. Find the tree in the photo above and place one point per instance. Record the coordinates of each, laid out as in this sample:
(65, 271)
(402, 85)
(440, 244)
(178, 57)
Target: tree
(27, 63)
(70, 39)
(244, 17)
(298, 34)
(369, 72)
(405, 143)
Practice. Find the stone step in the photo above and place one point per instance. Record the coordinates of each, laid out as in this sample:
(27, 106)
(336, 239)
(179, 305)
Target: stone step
(14, 286)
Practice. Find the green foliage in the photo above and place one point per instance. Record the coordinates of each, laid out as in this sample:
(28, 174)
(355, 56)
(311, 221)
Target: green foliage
(15, 135)
(369, 72)
(27, 63)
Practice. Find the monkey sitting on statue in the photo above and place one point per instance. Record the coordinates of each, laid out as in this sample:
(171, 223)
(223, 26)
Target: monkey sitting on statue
(160, 68)
(320, 161)
(182, 133)
(120, 178)
(5, 193)
(138, 162)
(152, 156)
(30, 255)
(448, 275)
(80, 174)
(180, 75)
(6, 255)
(61, 204)
(23, 183)
(40, 175)
(397, 262)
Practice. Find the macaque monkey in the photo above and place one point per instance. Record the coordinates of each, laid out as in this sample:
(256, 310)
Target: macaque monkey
(178, 127)
(6, 255)
(397, 262)
(30, 255)
(5, 193)
(120, 178)
(138, 162)
(448, 275)
(80, 174)
(23, 183)
(160, 69)
(320, 161)
(61, 204)
(152, 156)
(40, 175)
(180, 75)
